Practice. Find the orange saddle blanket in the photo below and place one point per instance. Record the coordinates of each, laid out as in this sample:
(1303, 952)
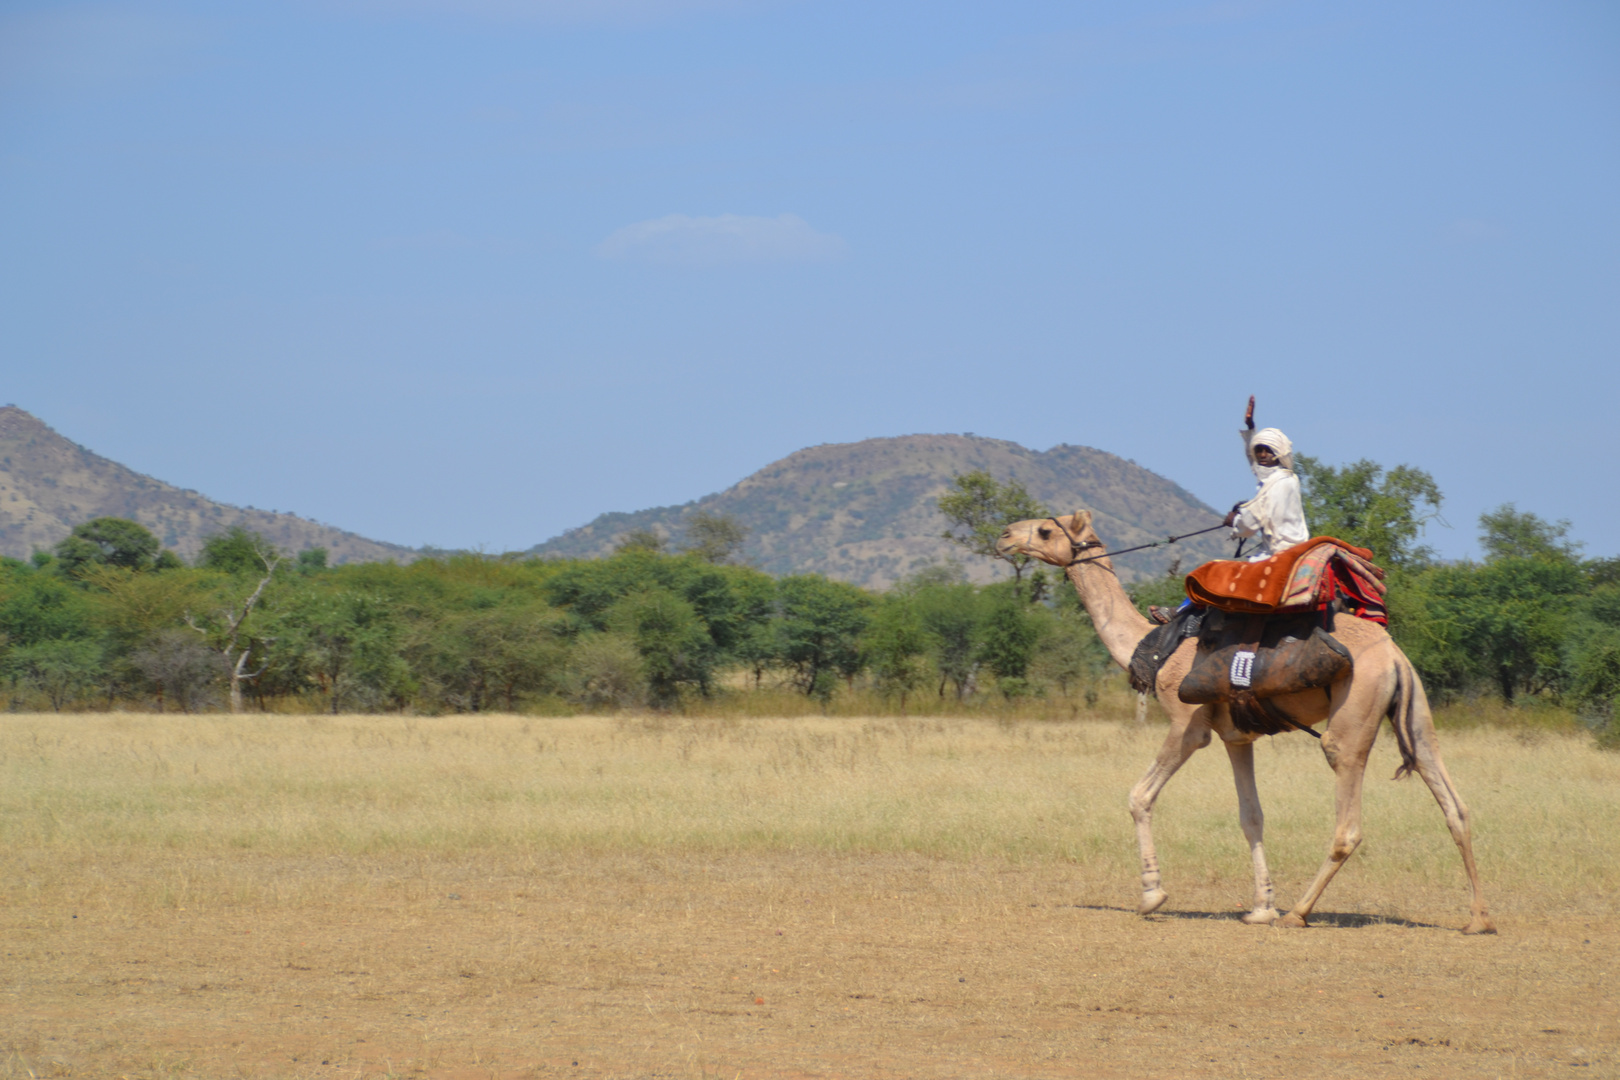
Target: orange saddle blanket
(1305, 577)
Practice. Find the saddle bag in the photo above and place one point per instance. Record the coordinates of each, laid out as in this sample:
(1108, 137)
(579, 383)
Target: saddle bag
(1158, 645)
(1246, 658)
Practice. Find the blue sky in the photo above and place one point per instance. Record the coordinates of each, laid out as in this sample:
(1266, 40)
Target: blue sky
(470, 273)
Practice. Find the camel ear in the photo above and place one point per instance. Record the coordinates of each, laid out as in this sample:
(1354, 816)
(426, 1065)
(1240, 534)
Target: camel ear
(1079, 520)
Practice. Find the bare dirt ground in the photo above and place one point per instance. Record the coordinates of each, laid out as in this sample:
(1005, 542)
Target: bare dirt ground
(766, 965)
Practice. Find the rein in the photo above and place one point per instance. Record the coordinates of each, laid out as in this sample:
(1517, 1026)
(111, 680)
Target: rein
(1075, 546)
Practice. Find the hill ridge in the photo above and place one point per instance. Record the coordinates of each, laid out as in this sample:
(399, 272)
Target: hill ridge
(866, 511)
(49, 483)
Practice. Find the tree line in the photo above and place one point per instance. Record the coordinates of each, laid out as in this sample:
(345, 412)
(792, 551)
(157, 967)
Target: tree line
(108, 618)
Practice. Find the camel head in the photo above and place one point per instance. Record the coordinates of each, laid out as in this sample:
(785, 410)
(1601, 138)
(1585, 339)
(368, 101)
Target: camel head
(1051, 540)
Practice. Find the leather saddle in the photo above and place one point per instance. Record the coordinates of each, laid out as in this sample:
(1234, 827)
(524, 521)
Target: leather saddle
(1244, 661)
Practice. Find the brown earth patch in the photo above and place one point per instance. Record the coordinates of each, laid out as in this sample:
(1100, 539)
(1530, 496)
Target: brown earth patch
(597, 965)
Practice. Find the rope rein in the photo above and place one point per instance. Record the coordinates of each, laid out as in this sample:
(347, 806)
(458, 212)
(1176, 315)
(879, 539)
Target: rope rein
(1076, 546)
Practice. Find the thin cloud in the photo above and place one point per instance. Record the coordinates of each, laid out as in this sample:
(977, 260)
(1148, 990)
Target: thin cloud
(680, 240)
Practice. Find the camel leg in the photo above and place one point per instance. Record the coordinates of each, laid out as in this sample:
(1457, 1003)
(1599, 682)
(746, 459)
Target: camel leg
(1349, 770)
(1253, 820)
(1189, 733)
(1356, 709)
(1434, 774)
(1429, 766)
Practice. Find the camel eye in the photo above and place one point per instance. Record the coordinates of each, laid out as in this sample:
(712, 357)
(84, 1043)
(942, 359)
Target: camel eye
(1046, 534)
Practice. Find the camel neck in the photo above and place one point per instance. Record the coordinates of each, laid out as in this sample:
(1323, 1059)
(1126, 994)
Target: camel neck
(1118, 623)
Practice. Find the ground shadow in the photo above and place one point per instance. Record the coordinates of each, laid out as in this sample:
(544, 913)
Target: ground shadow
(1342, 919)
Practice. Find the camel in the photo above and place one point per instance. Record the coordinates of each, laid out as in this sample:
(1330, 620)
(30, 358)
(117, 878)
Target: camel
(1382, 683)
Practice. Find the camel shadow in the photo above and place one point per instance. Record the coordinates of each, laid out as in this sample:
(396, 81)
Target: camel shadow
(1348, 920)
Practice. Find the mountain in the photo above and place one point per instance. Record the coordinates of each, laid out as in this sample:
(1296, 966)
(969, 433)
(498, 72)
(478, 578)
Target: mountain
(866, 512)
(49, 484)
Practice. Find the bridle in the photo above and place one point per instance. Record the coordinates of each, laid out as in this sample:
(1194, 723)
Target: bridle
(1077, 546)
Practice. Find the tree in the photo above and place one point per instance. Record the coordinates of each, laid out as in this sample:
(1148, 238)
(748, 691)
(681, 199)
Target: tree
(59, 669)
(36, 607)
(819, 631)
(237, 552)
(477, 658)
(1071, 656)
(1595, 670)
(1506, 622)
(714, 538)
(950, 617)
(751, 630)
(1526, 599)
(1594, 641)
(895, 647)
(178, 666)
(649, 540)
(605, 672)
(734, 604)
(111, 541)
(1509, 533)
(135, 606)
(347, 642)
(673, 642)
(979, 509)
(1008, 635)
(1364, 505)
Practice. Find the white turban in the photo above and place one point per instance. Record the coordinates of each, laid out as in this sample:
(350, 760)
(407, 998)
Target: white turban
(1279, 443)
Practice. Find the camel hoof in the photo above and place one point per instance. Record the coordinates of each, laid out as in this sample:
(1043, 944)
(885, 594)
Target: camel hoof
(1297, 922)
(1152, 901)
(1261, 916)
(1480, 924)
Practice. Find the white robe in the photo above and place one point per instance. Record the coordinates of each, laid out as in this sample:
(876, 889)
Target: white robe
(1276, 513)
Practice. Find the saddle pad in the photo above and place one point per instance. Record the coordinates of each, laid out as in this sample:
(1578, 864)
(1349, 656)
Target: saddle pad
(1292, 580)
(1327, 572)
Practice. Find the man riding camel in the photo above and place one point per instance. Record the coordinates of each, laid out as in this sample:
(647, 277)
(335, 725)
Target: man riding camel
(1275, 513)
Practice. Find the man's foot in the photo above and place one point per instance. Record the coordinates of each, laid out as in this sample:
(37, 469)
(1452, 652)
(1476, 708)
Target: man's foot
(1159, 615)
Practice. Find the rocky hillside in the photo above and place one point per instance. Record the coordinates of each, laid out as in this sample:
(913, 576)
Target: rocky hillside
(866, 512)
(49, 484)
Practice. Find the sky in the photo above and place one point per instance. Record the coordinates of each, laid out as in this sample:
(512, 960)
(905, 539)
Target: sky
(468, 273)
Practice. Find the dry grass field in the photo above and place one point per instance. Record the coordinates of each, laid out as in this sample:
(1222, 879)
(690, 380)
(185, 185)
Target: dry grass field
(501, 896)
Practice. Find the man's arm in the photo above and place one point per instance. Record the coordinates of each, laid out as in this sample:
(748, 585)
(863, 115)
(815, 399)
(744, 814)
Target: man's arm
(1245, 519)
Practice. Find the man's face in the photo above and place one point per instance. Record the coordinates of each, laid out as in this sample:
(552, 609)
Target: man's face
(1265, 456)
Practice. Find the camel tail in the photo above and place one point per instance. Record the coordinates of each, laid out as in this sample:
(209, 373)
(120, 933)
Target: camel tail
(1407, 713)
